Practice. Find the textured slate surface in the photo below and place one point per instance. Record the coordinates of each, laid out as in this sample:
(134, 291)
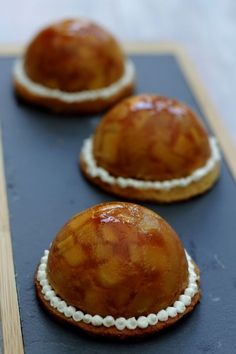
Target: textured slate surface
(45, 188)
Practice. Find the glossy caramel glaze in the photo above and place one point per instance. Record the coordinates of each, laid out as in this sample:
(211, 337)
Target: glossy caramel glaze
(117, 259)
(151, 138)
(74, 55)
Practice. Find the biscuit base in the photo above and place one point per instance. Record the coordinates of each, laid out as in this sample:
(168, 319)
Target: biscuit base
(163, 196)
(113, 332)
(56, 105)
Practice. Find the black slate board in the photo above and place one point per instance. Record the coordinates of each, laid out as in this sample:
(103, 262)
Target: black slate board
(45, 188)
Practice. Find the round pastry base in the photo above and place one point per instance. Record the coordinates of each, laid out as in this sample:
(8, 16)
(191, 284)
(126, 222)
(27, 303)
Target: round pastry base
(85, 106)
(113, 332)
(156, 195)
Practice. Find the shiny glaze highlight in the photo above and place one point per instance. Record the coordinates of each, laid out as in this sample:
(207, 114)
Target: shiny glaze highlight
(74, 55)
(117, 258)
(151, 138)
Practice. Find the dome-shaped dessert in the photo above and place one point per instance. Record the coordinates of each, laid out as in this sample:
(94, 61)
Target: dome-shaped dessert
(71, 63)
(118, 265)
(74, 55)
(153, 139)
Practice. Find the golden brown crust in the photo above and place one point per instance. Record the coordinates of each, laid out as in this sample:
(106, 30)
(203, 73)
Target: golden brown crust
(162, 196)
(84, 107)
(112, 332)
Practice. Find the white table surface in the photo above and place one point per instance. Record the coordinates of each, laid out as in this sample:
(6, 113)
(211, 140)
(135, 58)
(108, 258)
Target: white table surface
(207, 29)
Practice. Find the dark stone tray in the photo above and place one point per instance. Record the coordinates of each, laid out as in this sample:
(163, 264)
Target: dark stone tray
(45, 188)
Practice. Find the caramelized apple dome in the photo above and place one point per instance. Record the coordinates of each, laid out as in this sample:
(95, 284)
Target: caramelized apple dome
(150, 137)
(74, 55)
(117, 259)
